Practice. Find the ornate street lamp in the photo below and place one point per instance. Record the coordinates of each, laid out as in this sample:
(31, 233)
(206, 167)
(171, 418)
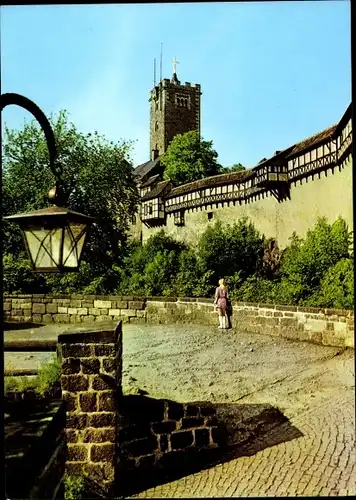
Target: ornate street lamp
(54, 237)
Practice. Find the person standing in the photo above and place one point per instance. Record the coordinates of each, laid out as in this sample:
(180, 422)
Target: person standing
(221, 303)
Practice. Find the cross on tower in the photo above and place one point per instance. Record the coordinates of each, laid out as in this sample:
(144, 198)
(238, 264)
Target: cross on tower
(175, 62)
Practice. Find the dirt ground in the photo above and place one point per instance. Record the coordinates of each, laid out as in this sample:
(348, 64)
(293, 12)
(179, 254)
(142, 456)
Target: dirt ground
(194, 363)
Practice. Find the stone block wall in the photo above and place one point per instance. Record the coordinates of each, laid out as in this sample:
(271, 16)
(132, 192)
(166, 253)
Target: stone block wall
(91, 387)
(333, 327)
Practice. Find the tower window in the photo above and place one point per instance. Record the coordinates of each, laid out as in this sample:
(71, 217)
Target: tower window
(182, 101)
(156, 126)
(210, 215)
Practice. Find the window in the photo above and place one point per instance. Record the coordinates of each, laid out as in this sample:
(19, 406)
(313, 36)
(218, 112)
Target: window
(182, 101)
(150, 209)
(156, 126)
(210, 215)
(179, 218)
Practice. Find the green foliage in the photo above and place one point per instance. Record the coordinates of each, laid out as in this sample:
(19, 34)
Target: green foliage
(236, 167)
(74, 487)
(305, 262)
(18, 276)
(189, 158)
(336, 287)
(97, 180)
(48, 377)
(227, 250)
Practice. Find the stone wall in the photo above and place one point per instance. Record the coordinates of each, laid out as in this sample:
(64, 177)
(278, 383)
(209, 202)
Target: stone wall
(333, 327)
(91, 387)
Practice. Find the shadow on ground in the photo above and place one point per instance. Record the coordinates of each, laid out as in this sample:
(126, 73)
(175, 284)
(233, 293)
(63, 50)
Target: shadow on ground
(7, 327)
(240, 430)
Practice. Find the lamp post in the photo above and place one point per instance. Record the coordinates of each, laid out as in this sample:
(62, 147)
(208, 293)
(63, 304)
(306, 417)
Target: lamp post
(54, 237)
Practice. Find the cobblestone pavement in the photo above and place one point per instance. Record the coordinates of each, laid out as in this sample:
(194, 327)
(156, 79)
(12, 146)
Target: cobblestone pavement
(320, 463)
(312, 385)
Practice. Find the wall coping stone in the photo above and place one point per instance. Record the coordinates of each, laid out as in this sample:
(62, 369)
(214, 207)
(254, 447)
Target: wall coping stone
(102, 337)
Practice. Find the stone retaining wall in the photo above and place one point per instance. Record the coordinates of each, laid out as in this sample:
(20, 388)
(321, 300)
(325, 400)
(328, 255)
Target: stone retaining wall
(333, 327)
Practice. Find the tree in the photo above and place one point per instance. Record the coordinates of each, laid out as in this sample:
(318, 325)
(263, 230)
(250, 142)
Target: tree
(97, 179)
(189, 158)
(236, 167)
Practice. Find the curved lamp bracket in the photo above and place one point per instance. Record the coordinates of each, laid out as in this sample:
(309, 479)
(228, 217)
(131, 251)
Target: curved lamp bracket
(24, 102)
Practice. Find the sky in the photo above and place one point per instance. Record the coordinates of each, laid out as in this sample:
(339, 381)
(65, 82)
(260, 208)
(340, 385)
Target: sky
(271, 73)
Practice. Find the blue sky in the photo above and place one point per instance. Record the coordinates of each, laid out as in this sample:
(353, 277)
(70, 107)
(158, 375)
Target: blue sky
(271, 73)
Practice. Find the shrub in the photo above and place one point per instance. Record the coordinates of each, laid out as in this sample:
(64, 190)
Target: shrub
(46, 380)
(73, 487)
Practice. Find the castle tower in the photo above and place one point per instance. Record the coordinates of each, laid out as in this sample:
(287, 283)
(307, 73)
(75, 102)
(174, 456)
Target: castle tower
(174, 109)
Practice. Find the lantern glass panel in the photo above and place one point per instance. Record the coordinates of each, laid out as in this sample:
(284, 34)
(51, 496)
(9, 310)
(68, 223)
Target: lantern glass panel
(74, 238)
(44, 246)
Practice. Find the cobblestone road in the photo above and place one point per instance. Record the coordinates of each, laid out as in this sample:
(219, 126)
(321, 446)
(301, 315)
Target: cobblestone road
(320, 463)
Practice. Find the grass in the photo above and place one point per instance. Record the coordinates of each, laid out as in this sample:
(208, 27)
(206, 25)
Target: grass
(73, 487)
(47, 378)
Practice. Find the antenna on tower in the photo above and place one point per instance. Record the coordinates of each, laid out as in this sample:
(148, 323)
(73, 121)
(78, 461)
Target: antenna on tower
(160, 65)
(154, 72)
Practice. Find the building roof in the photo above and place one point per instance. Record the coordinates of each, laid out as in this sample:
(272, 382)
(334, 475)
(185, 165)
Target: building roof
(215, 180)
(313, 141)
(150, 181)
(145, 168)
(156, 191)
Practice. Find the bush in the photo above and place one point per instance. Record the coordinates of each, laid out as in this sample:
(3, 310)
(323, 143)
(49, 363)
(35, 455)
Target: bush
(336, 288)
(73, 487)
(18, 276)
(227, 250)
(46, 380)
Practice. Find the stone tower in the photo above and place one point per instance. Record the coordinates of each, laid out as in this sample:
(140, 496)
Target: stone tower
(175, 109)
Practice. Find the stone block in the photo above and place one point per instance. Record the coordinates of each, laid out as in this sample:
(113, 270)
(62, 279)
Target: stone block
(100, 473)
(189, 422)
(7, 306)
(72, 310)
(114, 312)
(88, 319)
(77, 421)
(128, 312)
(62, 310)
(136, 305)
(88, 402)
(102, 419)
(207, 410)
(72, 436)
(288, 321)
(77, 452)
(75, 303)
(103, 318)
(106, 401)
(28, 305)
(175, 411)
(70, 366)
(102, 304)
(90, 365)
(76, 350)
(332, 339)
(340, 329)
(202, 437)
(17, 312)
(121, 304)
(51, 308)
(103, 383)
(76, 319)
(61, 318)
(108, 365)
(315, 325)
(316, 337)
(71, 401)
(140, 447)
(47, 318)
(37, 318)
(181, 439)
(74, 383)
(105, 350)
(99, 435)
(141, 314)
(88, 304)
(211, 421)
(191, 411)
(102, 452)
(165, 427)
(96, 312)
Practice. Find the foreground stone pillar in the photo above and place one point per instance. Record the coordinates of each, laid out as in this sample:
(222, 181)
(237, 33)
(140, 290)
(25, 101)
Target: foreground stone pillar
(91, 387)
